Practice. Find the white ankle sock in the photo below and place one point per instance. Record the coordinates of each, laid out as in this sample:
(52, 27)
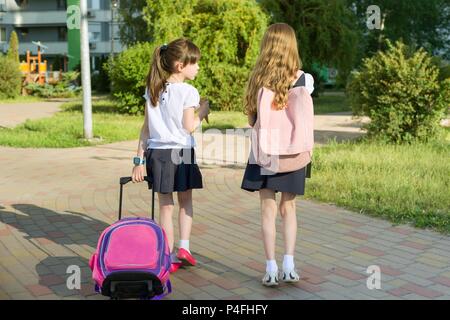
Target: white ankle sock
(184, 244)
(271, 266)
(288, 262)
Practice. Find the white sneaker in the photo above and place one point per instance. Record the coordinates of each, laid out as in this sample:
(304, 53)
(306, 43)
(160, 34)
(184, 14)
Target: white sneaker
(270, 279)
(290, 276)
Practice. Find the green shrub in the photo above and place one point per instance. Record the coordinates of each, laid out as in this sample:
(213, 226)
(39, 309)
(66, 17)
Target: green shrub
(227, 32)
(66, 88)
(128, 72)
(10, 77)
(399, 90)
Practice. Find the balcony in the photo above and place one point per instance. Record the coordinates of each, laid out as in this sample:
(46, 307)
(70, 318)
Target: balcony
(41, 18)
(49, 18)
(104, 47)
(54, 48)
(61, 47)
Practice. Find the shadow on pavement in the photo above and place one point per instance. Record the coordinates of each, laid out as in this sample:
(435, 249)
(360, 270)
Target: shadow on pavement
(47, 231)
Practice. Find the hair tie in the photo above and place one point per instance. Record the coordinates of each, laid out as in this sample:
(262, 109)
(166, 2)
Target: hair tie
(164, 47)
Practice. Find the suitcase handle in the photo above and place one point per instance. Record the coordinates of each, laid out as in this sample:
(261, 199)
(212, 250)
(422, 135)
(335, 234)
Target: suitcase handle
(125, 180)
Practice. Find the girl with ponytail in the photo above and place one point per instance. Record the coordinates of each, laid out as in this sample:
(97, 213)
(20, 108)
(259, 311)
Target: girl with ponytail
(173, 111)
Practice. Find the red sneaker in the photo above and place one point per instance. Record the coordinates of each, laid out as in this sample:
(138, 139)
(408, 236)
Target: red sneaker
(186, 258)
(174, 267)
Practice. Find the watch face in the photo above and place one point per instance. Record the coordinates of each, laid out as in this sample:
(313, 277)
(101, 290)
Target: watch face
(136, 160)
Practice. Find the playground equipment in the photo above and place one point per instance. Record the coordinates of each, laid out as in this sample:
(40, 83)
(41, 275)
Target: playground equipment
(35, 68)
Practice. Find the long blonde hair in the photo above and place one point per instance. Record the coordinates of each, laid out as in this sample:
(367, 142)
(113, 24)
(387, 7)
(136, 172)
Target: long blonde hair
(163, 64)
(275, 68)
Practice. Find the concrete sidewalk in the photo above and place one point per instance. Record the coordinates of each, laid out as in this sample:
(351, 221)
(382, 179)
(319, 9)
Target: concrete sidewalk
(12, 114)
(54, 203)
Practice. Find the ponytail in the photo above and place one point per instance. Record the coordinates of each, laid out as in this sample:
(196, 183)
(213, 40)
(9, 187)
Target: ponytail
(157, 76)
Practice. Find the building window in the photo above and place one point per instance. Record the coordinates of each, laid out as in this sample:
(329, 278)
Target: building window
(94, 36)
(62, 34)
(22, 3)
(93, 4)
(2, 6)
(105, 31)
(2, 34)
(62, 4)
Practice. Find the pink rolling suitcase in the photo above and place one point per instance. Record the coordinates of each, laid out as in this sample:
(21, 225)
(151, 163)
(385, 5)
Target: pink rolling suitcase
(132, 259)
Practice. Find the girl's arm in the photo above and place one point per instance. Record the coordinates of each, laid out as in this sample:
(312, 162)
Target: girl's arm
(190, 120)
(138, 172)
(143, 137)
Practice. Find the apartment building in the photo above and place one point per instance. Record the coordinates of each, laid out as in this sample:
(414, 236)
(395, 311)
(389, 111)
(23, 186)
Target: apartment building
(46, 21)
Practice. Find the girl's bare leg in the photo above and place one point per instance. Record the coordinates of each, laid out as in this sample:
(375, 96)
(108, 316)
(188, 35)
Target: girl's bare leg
(268, 217)
(165, 216)
(186, 214)
(287, 211)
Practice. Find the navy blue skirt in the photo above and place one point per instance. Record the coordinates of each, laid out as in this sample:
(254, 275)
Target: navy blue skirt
(293, 182)
(172, 170)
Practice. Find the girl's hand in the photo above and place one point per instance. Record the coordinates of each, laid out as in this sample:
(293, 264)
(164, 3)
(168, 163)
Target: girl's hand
(203, 110)
(138, 173)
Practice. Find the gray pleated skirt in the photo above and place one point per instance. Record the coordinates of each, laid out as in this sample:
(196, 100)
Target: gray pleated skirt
(173, 170)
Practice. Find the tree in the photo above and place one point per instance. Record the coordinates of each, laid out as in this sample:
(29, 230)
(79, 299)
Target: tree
(417, 23)
(13, 51)
(133, 28)
(228, 33)
(10, 77)
(327, 31)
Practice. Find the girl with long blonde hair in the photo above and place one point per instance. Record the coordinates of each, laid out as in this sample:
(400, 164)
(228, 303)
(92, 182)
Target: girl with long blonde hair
(277, 70)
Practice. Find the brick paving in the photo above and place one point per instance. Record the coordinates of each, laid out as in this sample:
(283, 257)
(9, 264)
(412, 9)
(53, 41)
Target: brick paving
(55, 202)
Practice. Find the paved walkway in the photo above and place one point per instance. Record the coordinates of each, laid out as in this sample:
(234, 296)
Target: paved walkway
(54, 204)
(12, 114)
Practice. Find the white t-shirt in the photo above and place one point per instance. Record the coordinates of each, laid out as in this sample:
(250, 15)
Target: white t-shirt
(165, 121)
(309, 83)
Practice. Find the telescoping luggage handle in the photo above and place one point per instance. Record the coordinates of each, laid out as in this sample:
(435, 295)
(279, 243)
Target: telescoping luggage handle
(125, 180)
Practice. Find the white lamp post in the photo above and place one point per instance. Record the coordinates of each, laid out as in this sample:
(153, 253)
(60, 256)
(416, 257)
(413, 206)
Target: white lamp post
(85, 72)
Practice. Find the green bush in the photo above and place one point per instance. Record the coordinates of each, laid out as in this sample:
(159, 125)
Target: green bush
(66, 88)
(128, 72)
(228, 33)
(10, 77)
(399, 90)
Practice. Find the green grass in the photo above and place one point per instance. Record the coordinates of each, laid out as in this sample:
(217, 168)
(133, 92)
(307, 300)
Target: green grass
(331, 103)
(65, 129)
(225, 120)
(22, 99)
(403, 183)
